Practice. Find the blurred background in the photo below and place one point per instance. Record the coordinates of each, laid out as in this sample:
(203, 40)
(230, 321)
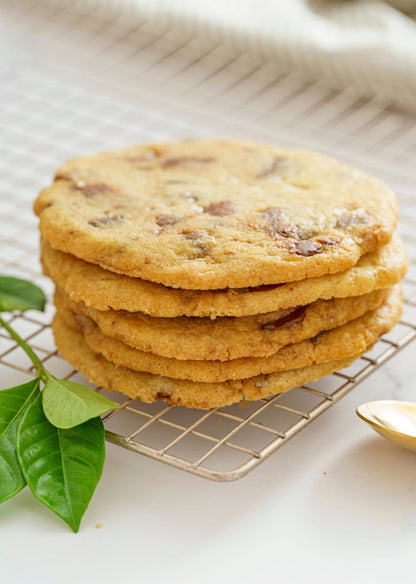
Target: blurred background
(78, 76)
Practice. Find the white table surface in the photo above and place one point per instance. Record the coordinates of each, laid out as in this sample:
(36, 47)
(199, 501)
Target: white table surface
(335, 504)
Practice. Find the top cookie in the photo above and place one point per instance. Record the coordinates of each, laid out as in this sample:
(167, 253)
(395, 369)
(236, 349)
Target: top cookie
(216, 214)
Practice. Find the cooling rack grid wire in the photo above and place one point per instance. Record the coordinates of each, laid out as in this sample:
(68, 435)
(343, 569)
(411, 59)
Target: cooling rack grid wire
(79, 79)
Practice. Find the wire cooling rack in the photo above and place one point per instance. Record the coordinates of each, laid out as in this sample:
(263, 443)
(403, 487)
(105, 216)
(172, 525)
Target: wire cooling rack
(79, 79)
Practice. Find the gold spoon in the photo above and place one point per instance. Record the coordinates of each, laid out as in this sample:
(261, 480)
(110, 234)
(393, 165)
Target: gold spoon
(395, 420)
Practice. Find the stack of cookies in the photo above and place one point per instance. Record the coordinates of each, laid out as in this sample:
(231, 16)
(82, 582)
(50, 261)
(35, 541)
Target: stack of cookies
(205, 272)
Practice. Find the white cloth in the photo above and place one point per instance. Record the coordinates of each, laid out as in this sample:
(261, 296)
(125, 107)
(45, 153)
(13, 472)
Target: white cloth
(369, 45)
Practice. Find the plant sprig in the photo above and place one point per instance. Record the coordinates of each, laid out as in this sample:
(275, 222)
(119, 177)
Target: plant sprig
(51, 437)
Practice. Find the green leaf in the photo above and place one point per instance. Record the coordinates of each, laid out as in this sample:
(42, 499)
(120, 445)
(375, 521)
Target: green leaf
(67, 404)
(13, 403)
(61, 467)
(18, 294)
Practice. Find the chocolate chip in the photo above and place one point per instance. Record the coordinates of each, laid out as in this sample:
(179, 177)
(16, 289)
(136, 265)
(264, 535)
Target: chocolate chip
(87, 189)
(90, 190)
(328, 240)
(184, 160)
(221, 208)
(104, 221)
(305, 248)
(296, 316)
(277, 226)
(352, 218)
(164, 220)
(192, 235)
(278, 164)
(283, 231)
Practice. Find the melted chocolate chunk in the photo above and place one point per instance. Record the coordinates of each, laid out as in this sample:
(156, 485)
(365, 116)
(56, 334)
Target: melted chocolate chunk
(277, 165)
(184, 160)
(305, 248)
(87, 189)
(221, 208)
(104, 221)
(164, 220)
(287, 321)
(328, 240)
(277, 226)
(193, 235)
(351, 218)
(282, 231)
(90, 190)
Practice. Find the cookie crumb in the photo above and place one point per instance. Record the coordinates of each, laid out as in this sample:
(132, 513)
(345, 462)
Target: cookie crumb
(104, 221)
(99, 526)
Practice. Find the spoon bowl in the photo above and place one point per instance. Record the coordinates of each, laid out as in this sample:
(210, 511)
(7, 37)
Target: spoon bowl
(394, 420)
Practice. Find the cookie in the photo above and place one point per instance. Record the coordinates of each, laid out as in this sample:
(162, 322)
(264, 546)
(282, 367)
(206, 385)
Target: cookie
(211, 214)
(149, 388)
(102, 289)
(224, 338)
(352, 338)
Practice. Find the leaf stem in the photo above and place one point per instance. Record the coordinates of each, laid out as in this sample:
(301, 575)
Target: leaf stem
(40, 370)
